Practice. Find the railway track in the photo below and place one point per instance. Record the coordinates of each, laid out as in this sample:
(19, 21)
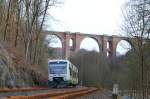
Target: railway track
(21, 89)
(43, 93)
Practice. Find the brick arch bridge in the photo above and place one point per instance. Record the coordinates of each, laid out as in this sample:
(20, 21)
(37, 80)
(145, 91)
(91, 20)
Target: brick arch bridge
(102, 41)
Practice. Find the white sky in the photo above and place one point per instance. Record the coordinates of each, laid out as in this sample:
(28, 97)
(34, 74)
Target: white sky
(87, 16)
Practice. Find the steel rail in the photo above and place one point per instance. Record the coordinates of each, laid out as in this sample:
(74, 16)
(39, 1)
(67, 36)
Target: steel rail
(74, 95)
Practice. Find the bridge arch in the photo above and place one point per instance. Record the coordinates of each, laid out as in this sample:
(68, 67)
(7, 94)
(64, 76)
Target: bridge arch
(95, 46)
(54, 41)
(123, 46)
(56, 45)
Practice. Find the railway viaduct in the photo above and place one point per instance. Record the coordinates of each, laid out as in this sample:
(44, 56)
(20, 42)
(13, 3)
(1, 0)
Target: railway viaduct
(107, 44)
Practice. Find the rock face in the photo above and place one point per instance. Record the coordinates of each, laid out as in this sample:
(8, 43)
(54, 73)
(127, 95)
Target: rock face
(14, 74)
(7, 71)
(11, 75)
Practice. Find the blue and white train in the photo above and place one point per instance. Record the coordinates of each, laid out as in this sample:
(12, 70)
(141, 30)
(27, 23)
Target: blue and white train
(62, 73)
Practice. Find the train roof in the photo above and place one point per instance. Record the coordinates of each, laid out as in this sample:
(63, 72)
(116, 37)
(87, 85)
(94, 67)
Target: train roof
(54, 60)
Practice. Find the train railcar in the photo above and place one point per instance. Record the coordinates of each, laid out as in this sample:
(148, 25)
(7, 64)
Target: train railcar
(62, 73)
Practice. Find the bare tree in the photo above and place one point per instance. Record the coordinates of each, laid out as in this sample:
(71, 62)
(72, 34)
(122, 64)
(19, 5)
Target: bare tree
(21, 26)
(137, 25)
(93, 68)
(22, 22)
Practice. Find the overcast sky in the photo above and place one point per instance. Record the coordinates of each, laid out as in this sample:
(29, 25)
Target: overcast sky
(87, 16)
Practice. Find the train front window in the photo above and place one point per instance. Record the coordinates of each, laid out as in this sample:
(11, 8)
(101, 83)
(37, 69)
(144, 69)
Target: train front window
(58, 68)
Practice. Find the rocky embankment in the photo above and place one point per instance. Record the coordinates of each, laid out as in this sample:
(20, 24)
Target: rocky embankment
(12, 75)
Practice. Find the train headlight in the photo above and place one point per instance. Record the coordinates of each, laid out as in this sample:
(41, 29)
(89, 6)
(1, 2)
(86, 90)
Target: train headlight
(50, 78)
(65, 78)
